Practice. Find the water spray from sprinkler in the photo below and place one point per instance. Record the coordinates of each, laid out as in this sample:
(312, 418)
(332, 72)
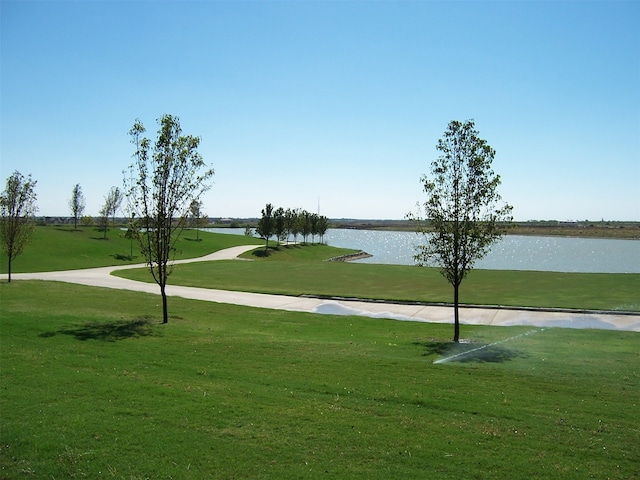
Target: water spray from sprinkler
(457, 355)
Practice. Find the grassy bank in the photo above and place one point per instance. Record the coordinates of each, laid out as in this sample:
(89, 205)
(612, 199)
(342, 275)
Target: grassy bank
(63, 248)
(298, 270)
(93, 387)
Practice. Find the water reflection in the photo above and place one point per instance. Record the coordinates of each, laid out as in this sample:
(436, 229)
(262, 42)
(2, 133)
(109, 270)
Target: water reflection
(559, 254)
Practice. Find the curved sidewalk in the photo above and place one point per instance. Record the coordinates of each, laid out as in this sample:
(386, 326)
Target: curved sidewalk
(101, 277)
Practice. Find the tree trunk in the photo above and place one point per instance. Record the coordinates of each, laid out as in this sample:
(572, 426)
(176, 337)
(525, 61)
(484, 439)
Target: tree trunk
(456, 328)
(165, 313)
(9, 270)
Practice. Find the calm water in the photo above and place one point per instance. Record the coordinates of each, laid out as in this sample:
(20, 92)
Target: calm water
(558, 254)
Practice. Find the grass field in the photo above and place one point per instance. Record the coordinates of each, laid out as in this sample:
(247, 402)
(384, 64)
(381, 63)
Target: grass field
(297, 270)
(62, 248)
(93, 387)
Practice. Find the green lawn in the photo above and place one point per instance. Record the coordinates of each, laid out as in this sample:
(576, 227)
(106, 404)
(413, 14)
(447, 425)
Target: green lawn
(297, 270)
(62, 248)
(93, 387)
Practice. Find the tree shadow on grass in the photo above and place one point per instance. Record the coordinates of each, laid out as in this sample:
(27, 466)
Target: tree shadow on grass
(468, 352)
(110, 331)
(123, 257)
(262, 253)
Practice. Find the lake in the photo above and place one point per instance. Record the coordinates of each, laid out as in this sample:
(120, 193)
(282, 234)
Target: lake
(555, 254)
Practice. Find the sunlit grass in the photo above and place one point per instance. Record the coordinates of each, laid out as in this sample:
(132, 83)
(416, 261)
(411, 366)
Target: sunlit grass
(93, 387)
(63, 248)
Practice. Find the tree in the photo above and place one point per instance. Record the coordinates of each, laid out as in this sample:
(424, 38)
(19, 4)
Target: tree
(464, 211)
(170, 174)
(294, 220)
(305, 225)
(314, 227)
(132, 233)
(196, 216)
(266, 225)
(279, 227)
(76, 204)
(112, 203)
(323, 225)
(17, 210)
(103, 221)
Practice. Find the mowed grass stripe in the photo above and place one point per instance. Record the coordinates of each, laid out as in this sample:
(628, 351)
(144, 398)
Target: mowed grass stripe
(93, 386)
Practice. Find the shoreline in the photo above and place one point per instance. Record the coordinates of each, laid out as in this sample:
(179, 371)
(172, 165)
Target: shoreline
(350, 257)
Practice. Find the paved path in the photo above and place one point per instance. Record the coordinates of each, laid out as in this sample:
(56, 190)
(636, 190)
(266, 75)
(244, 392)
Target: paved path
(101, 277)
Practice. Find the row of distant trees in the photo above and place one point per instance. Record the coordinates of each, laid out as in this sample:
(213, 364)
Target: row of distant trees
(284, 224)
(112, 202)
(462, 216)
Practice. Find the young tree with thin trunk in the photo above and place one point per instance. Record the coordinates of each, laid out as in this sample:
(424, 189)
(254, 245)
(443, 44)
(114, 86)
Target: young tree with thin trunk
(266, 225)
(113, 200)
(305, 225)
(323, 225)
(463, 211)
(279, 226)
(112, 203)
(169, 175)
(17, 210)
(197, 217)
(76, 204)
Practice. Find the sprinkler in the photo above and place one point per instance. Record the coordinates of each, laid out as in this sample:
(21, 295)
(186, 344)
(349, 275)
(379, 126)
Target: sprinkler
(457, 355)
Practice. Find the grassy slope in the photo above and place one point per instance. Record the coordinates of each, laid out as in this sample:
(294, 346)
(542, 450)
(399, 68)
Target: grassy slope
(93, 387)
(62, 248)
(299, 270)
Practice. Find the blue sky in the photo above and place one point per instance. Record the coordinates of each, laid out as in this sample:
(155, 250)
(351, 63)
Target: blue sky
(341, 101)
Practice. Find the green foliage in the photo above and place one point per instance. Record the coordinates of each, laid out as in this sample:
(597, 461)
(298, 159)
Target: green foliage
(289, 223)
(232, 392)
(463, 209)
(266, 225)
(76, 204)
(17, 209)
(169, 175)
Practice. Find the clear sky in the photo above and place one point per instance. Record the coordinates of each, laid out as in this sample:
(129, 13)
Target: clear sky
(337, 101)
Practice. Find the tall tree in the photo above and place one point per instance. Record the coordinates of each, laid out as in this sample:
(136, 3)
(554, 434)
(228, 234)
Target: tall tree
(17, 210)
(76, 204)
(170, 174)
(464, 211)
(266, 225)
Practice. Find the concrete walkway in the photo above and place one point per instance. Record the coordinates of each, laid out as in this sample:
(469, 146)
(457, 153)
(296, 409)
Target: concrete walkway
(101, 277)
